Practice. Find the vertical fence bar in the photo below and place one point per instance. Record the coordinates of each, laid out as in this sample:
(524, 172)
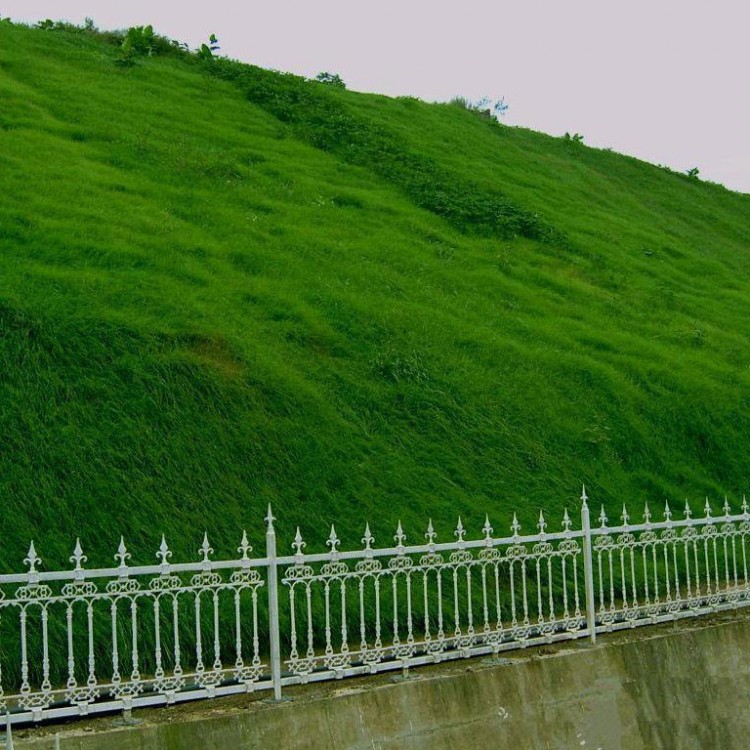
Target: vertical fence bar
(588, 567)
(273, 606)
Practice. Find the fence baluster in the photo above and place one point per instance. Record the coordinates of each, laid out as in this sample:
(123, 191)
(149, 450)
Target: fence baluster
(378, 638)
(176, 628)
(159, 674)
(238, 661)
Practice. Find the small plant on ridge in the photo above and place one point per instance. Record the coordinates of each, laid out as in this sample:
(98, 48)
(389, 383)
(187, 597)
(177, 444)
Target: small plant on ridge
(331, 79)
(575, 138)
(207, 51)
(485, 107)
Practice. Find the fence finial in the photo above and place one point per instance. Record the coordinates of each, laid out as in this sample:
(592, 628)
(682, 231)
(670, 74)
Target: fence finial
(270, 518)
(333, 541)
(78, 557)
(542, 524)
(646, 515)
(368, 538)
(298, 544)
(164, 552)
(625, 515)
(487, 529)
(430, 535)
(727, 509)
(206, 549)
(667, 512)
(400, 537)
(515, 527)
(566, 522)
(744, 506)
(688, 512)
(603, 519)
(460, 531)
(32, 559)
(584, 496)
(122, 553)
(245, 546)
(707, 508)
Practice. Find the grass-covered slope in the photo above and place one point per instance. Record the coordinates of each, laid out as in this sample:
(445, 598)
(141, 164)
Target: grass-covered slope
(222, 287)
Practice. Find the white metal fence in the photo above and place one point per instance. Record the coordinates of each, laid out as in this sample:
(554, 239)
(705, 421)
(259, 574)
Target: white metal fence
(82, 641)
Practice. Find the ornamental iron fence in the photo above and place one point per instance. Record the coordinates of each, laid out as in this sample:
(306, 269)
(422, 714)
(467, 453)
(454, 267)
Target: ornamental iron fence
(84, 641)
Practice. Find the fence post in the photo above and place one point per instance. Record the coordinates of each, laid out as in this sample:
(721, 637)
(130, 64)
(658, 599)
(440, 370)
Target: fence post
(588, 567)
(273, 606)
(8, 733)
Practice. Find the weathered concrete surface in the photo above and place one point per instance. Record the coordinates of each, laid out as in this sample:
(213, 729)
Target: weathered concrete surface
(678, 686)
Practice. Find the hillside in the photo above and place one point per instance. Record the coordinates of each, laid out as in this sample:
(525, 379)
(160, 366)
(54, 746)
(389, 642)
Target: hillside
(222, 287)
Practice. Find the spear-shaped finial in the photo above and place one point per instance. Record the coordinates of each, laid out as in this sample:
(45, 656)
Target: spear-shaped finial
(515, 527)
(32, 559)
(688, 512)
(430, 535)
(744, 506)
(298, 545)
(707, 508)
(603, 519)
(206, 550)
(727, 510)
(269, 520)
(368, 538)
(78, 557)
(333, 541)
(487, 531)
(541, 524)
(244, 547)
(400, 537)
(566, 522)
(667, 512)
(646, 514)
(164, 552)
(460, 532)
(625, 515)
(122, 555)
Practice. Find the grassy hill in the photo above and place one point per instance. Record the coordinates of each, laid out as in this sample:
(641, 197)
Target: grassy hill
(222, 287)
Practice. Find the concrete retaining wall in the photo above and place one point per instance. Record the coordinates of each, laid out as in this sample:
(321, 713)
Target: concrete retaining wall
(675, 686)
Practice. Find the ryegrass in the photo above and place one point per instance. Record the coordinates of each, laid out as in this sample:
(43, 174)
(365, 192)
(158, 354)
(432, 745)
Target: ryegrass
(207, 305)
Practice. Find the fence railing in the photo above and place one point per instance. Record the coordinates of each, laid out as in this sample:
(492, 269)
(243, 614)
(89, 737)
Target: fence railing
(82, 641)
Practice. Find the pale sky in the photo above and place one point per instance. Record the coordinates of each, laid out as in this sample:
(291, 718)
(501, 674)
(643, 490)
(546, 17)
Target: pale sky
(663, 80)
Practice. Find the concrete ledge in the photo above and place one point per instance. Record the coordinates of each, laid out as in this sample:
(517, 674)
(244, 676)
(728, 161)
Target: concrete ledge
(684, 685)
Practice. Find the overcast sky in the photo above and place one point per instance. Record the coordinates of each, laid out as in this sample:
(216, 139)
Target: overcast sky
(663, 80)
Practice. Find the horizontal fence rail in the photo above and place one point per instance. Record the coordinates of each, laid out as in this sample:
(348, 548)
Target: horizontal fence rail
(83, 641)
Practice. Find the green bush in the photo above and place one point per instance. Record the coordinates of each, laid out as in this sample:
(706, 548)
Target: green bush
(139, 41)
(576, 138)
(331, 79)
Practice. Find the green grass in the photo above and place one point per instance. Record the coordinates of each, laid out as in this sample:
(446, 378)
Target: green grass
(222, 287)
